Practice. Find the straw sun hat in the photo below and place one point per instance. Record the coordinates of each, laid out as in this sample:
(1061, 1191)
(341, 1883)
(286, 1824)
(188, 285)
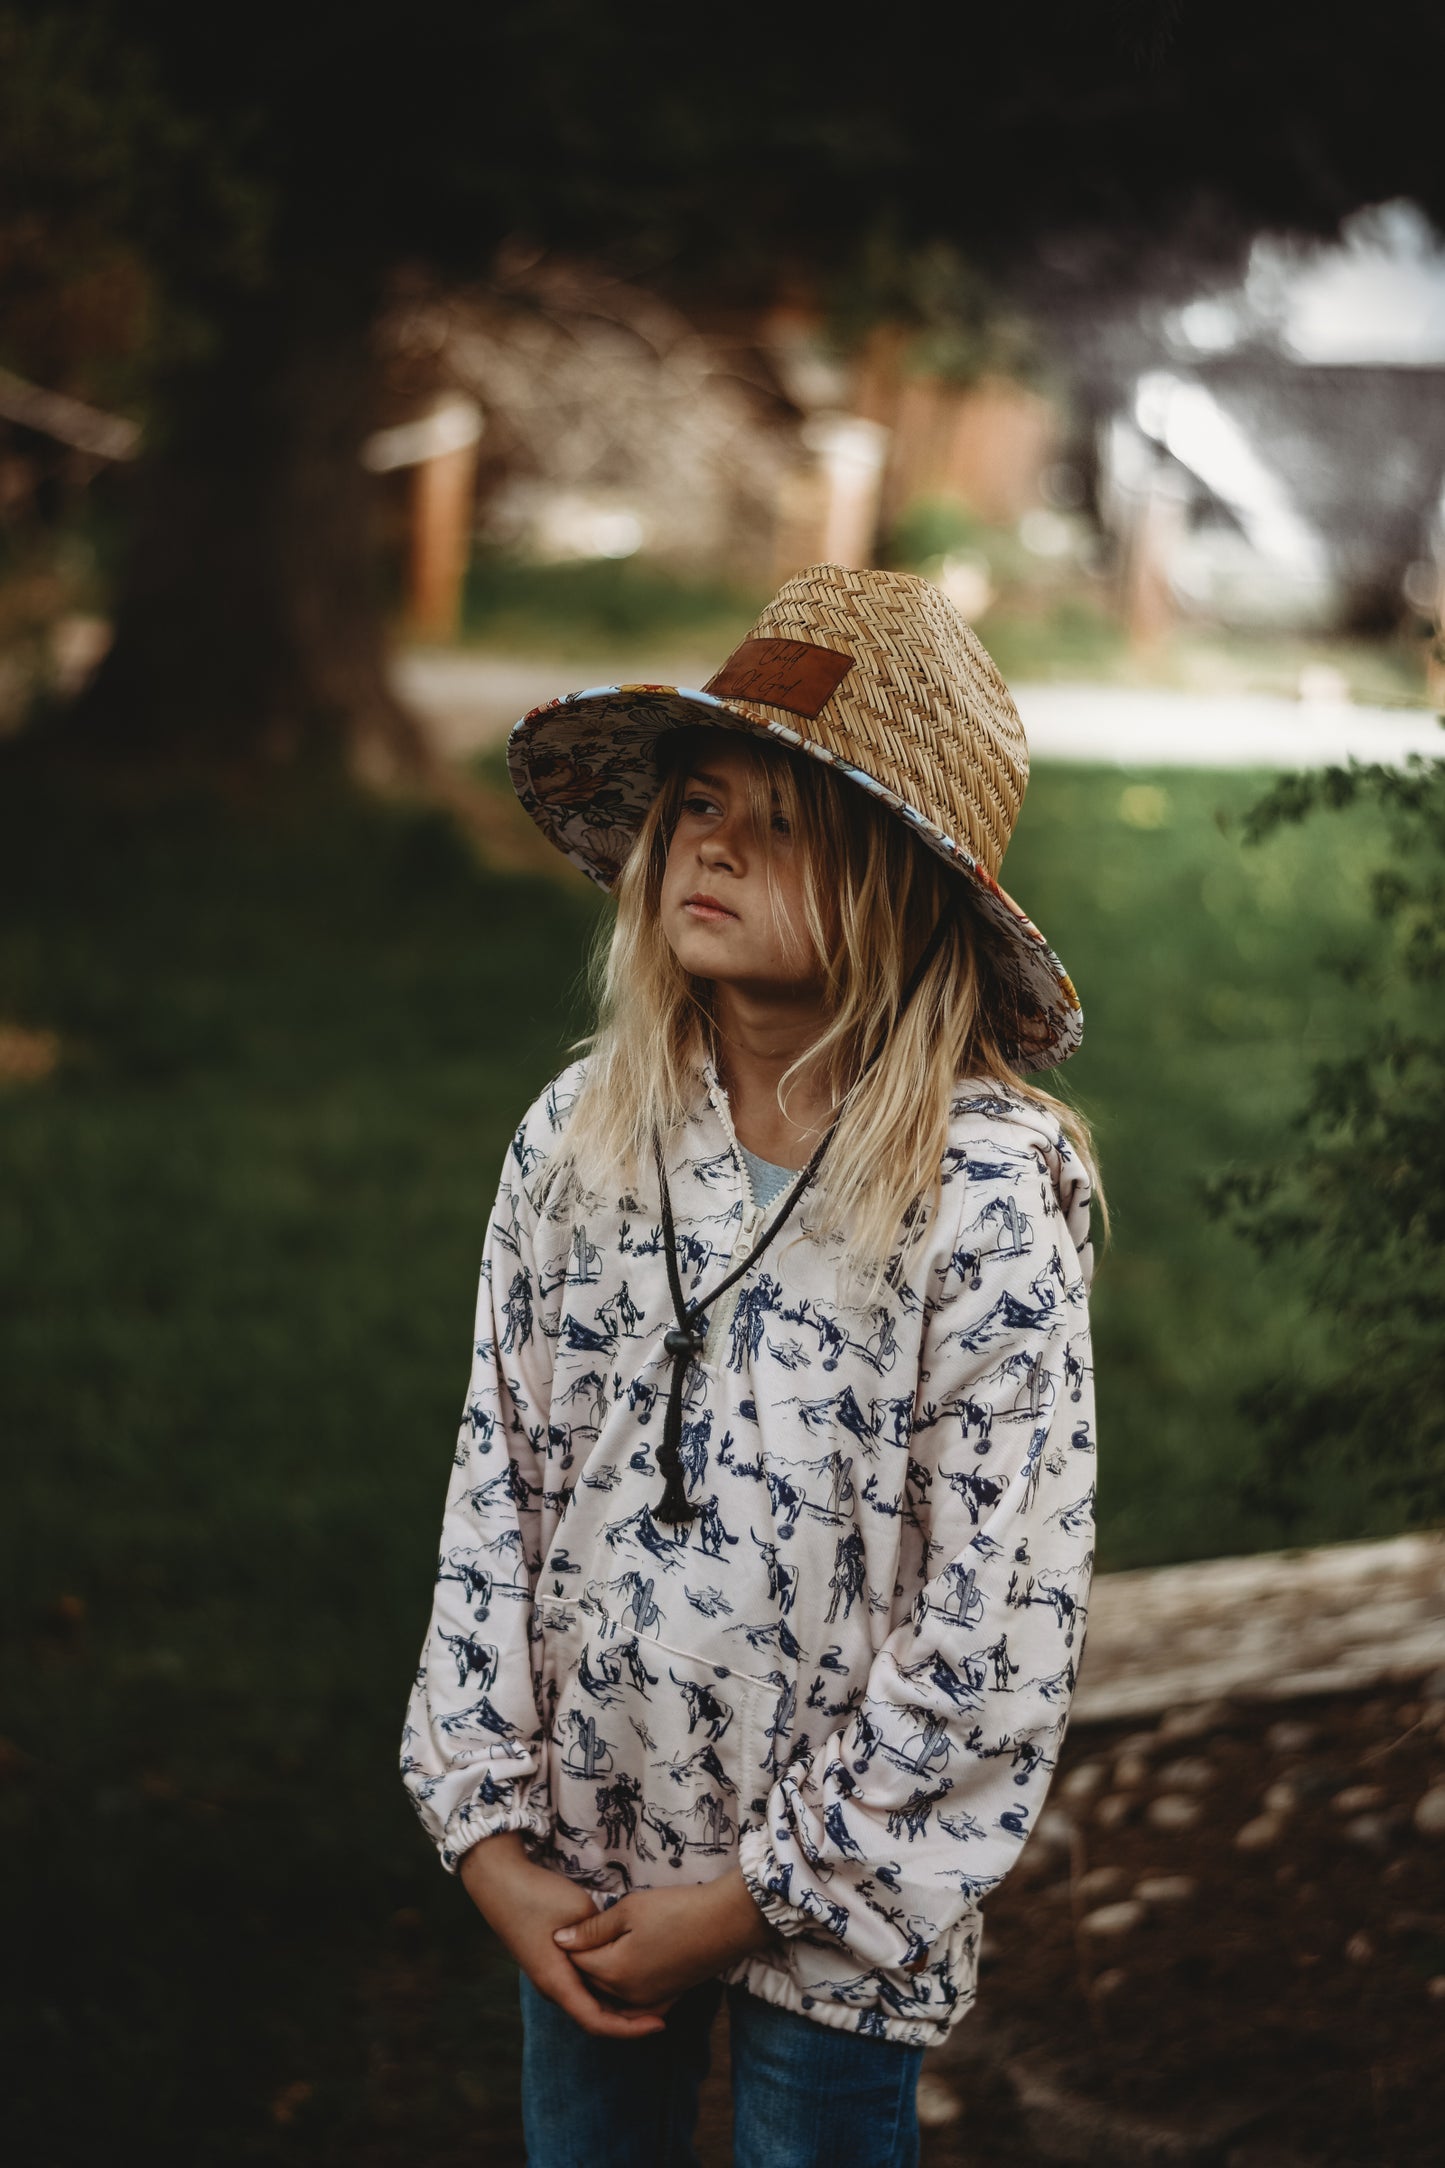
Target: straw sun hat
(874, 673)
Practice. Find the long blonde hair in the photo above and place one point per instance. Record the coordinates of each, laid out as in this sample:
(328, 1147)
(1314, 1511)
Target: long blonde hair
(872, 896)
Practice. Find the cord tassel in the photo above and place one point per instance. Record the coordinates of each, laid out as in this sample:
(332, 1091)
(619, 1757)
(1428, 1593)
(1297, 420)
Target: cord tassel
(684, 1344)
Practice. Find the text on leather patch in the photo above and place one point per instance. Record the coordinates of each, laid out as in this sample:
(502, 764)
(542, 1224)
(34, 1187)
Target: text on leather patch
(789, 674)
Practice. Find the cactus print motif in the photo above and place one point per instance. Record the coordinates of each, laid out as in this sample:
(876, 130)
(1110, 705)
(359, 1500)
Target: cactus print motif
(851, 1673)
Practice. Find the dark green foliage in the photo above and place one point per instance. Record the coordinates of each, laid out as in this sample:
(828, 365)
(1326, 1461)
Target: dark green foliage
(1355, 1208)
(237, 1267)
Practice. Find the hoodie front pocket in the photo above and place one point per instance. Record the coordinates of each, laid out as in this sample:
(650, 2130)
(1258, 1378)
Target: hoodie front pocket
(656, 1755)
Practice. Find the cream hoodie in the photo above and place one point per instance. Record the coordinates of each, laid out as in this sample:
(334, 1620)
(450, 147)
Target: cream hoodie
(851, 1673)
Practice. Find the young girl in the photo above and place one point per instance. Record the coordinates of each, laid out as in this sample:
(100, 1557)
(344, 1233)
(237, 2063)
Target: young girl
(763, 1573)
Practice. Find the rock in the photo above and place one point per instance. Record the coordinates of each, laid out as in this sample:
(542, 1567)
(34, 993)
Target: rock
(1432, 1716)
(1429, 1814)
(1359, 1799)
(1372, 1832)
(1407, 1925)
(1113, 1810)
(1172, 1811)
(1360, 1950)
(1191, 1774)
(1110, 1982)
(1100, 1884)
(1435, 1988)
(1166, 1889)
(1433, 1688)
(1139, 1742)
(1260, 1834)
(1054, 1830)
(1281, 1798)
(1117, 1919)
(938, 2103)
(1291, 1736)
(1131, 1772)
(1083, 1782)
(1196, 1721)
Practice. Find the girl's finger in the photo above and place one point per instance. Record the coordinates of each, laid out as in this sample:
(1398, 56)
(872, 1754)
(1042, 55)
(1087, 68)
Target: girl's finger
(597, 1964)
(565, 1988)
(591, 1933)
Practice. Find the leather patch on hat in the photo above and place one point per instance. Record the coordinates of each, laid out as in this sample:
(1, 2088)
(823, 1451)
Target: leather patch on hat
(789, 674)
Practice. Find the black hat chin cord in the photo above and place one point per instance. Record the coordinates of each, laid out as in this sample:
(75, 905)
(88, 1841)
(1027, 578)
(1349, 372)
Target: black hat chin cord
(685, 1339)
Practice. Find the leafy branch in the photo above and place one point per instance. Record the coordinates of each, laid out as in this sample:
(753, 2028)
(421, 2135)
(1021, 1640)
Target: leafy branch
(1358, 1200)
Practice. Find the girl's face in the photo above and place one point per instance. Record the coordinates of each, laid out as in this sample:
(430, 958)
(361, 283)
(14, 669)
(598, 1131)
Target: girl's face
(724, 918)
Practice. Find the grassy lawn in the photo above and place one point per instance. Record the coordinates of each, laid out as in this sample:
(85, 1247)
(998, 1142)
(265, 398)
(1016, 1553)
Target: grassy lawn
(237, 1262)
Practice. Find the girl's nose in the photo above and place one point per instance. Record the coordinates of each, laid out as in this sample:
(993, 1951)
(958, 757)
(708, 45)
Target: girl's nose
(724, 846)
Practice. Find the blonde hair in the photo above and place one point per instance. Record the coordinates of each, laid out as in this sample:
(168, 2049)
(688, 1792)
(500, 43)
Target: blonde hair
(872, 896)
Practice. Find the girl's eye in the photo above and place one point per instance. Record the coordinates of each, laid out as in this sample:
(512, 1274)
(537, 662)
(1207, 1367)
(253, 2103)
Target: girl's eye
(782, 826)
(699, 805)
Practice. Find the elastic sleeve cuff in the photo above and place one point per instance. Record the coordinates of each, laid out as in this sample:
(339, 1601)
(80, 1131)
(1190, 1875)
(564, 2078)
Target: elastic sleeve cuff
(471, 1822)
(767, 1881)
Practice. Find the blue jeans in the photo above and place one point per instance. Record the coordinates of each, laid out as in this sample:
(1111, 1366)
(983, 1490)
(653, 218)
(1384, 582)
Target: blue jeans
(804, 2095)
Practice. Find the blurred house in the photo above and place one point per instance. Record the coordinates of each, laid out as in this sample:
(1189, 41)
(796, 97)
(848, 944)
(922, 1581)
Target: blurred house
(1269, 455)
(727, 443)
(1280, 457)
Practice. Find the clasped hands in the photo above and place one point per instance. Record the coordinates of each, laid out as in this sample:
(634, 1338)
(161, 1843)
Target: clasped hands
(618, 1972)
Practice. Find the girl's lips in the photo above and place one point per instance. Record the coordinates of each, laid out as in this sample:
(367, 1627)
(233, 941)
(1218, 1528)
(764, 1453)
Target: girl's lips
(707, 907)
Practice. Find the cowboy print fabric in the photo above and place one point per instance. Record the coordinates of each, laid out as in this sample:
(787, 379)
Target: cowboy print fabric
(850, 1674)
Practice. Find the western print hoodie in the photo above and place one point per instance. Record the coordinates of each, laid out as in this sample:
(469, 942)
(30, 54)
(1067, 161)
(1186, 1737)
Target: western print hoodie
(850, 1674)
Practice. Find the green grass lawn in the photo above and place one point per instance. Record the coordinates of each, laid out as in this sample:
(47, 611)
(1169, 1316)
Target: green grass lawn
(238, 1253)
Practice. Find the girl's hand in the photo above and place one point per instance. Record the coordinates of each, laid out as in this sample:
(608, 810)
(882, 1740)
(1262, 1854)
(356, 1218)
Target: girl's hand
(524, 1904)
(649, 1947)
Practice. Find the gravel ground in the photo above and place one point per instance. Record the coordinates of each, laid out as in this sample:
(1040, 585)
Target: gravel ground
(1226, 1944)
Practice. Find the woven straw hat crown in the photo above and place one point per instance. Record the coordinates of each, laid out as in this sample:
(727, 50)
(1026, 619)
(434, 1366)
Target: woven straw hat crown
(922, 707)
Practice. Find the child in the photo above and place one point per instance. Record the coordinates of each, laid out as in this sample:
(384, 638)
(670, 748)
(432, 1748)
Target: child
(763, 1573)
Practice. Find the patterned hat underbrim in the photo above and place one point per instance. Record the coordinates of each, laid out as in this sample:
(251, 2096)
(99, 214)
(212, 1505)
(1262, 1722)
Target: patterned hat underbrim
(585, 768)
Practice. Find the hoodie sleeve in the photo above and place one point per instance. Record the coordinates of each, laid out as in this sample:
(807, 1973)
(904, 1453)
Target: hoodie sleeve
(921, 1802)
(470, 1747)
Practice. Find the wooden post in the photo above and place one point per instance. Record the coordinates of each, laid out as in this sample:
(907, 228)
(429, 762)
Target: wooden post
(1158, 521)
(441, 450)
(828, 512)
(1435, 653)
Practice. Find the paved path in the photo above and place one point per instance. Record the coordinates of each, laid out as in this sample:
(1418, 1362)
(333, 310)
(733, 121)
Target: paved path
(471, 701)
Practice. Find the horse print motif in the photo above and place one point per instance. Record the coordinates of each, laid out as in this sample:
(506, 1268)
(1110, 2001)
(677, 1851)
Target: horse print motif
(850, 1674)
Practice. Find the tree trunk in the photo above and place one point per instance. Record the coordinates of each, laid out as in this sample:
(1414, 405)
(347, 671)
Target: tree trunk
(249, 623)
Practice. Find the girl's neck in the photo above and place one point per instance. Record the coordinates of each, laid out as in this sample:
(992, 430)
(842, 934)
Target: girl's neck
(759, 1037)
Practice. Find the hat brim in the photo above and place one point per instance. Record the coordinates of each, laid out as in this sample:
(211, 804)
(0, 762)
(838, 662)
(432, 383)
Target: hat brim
(585, 767)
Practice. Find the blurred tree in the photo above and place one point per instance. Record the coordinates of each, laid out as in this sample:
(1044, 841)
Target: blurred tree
(1359, 1207)
(274, 166)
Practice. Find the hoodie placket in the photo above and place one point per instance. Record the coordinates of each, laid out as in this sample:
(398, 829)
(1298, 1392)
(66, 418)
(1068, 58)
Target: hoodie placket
(721, 1317)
